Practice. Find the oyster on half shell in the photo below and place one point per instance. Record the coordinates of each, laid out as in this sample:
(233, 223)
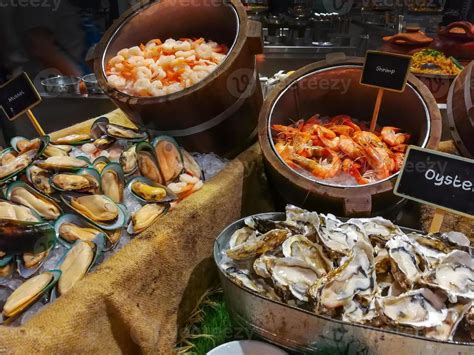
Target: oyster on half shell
(419, 308)
(356, 276)
(264, 243)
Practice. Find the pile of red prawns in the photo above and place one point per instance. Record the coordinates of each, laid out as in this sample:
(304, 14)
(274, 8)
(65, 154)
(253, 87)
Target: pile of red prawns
(329, 148)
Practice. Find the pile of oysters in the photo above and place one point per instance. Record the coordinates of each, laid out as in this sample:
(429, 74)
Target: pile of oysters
(365, 271)
(75, 192)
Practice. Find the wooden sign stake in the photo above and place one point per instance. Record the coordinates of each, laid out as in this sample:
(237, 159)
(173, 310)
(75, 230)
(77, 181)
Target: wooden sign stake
(375, 116)
(437, 221)
(35, 123)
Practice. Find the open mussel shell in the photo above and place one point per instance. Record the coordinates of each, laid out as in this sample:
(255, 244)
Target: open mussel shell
(126, 133)
(148, 191)
(99, 127)
(78, 261)
(146, 217)
(147, 163)
(64, 163)
(7, 266)
(73, 139)
(93, 206)
(23, 194)
(169, 158)
(113, 182)
(25, 237)
(191, 166)
(53, 150)
(84, 180)
(7, 154)
(21, 162)
(39, 179)
(100, 163)
(30, 263)
(28, 293)
(22, 144)
(104, 142)
(16, 212)
(128, 160)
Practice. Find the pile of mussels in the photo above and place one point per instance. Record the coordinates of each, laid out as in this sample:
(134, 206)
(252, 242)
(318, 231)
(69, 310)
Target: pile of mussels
(53, 192)
(365, 271)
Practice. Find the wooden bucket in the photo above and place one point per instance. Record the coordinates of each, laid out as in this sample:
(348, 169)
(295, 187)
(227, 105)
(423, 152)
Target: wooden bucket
(220, 113)
(333, 88)
(461, 111)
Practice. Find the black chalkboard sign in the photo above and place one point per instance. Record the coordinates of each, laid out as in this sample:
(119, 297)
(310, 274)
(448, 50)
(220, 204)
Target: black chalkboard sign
(438, 179)
(386, 70)
(17, 96)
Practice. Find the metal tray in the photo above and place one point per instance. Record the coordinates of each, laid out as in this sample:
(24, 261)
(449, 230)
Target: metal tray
(302, 331)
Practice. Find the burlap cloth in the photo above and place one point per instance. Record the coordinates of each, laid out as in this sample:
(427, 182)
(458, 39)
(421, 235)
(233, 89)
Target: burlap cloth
(451, 221)
(135, 301)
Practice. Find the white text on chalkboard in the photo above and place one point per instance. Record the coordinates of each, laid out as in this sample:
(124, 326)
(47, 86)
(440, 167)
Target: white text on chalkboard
(16, 96)
(440, 179)
(385, 70)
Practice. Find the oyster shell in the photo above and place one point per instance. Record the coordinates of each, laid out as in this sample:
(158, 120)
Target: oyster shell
(146, 215)
(455, 275)
(26, 294)
(72, 232)
(242, 279)
(293, 275)
(339, 237)
(45, 207)
(128, 160)
(356, 276)
(302, 248)
(403, 261)
(446, 330)
(264, 243)
(73, 139)
(75, 265)
(39, 178)
(59, 163)
(241, 236)
(378, 229)
(360, 312)
(95, 207)
(169, 158)
(419, 308)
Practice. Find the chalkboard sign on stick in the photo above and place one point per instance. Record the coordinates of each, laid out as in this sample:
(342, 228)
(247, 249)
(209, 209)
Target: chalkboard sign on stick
(387, 71)
(19, 96)
(438, 179)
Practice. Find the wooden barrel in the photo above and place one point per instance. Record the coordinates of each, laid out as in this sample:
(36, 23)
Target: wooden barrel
(220, 113)
(333, 88)
(461, 111)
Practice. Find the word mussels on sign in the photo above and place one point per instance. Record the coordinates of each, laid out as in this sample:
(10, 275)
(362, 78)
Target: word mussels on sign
(17, 96)
(386, 70)
(441, 180)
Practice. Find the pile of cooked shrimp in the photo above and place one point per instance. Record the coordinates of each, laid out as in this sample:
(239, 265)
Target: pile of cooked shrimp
(329, 148)
(158, 69)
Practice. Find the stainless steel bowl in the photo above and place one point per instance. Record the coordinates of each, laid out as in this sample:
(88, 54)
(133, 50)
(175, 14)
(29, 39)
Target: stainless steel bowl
(303, 331)
(92, 85)
(59, 85)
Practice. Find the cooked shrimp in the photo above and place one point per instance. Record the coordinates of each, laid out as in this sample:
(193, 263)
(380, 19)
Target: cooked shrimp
(349, 147)
(391, 136)
(328, 137)
(327, 168)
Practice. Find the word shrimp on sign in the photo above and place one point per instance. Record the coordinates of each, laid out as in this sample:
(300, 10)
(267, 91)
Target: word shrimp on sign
(441, 180)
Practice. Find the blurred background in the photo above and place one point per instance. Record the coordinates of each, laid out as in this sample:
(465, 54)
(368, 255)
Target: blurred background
(47, 38)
